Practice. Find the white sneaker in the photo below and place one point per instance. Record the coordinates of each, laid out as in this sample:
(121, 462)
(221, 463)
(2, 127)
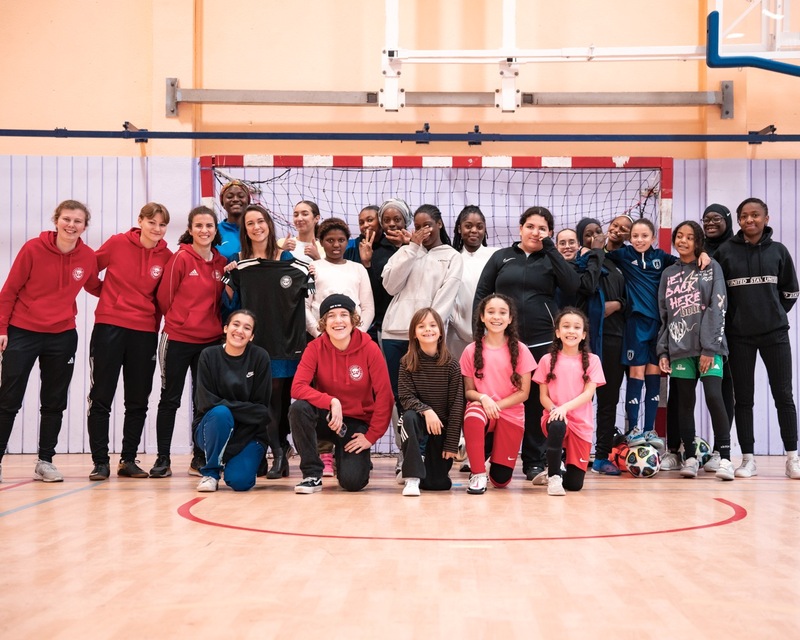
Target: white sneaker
(671, 462)
(725, 470)
(477, 483)
(399, 478)
(793, 468)
(412, 487)
(540, 479)
(47, 472)
(713, 463)
(747, 469)
(555, 486)
(207, 484)
(690, 468)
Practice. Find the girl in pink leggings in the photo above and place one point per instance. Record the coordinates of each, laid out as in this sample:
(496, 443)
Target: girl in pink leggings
(497, 379)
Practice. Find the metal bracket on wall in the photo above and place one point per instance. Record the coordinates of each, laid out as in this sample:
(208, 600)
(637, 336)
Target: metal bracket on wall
(506, 99)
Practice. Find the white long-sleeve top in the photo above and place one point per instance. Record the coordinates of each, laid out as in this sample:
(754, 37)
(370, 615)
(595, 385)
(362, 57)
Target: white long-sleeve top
(460, 326)
(419, 278)
(349, 278)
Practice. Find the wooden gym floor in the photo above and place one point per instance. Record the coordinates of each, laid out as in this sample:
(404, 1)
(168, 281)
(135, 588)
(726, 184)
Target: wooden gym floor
(625, 557)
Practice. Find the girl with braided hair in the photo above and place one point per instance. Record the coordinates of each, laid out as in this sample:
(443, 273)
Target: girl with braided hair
(469, 239)
(568, 376)
(497, 380)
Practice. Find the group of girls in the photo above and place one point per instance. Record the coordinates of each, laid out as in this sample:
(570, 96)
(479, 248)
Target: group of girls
(412, 293)
(676, 323)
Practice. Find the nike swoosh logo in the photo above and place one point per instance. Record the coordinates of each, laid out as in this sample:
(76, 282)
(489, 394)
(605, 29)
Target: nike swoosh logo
(507, 259)
(582, 460)
(511, 459)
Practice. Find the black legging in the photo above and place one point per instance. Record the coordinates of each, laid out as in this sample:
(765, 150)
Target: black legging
(533, 440)
(572, 479)
(674, 403)
(712, 388)
(278, 428)
(608, 395)
(776, 353)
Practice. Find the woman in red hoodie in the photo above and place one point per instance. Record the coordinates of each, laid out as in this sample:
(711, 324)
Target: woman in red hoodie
(125, 336)
(343, 396)
(37, 320)
(190, 297)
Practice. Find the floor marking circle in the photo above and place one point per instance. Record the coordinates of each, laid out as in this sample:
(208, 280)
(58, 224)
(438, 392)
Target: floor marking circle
(739, 513)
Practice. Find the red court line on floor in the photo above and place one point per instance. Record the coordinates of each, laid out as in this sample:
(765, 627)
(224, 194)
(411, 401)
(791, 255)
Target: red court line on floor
(739, 513)
(18, 484)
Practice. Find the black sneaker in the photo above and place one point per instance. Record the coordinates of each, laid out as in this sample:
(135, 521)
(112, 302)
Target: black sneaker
(129, 469)
(161, 468)
(533, 471)
(309, 485)
(101, 471)
(197, 463)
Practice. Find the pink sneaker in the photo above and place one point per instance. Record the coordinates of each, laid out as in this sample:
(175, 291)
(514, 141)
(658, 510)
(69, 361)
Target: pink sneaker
(327, 465)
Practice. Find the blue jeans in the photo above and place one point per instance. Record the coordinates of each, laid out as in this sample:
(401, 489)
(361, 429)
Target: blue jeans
(393, 350)
(213, 433)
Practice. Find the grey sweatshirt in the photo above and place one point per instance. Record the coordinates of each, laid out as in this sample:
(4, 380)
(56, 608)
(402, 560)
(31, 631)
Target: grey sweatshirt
(692, 303)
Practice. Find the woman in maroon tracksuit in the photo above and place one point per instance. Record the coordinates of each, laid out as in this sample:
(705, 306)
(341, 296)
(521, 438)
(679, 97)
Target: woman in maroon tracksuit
(189, 296)
(37, 321)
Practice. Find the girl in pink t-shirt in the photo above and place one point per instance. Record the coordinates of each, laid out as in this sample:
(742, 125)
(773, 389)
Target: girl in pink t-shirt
(497, 380)
(568, 377)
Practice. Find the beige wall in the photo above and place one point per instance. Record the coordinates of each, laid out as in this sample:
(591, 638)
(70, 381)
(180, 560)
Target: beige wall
(92, 64)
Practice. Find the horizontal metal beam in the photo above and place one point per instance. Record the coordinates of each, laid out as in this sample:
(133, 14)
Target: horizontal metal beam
(751, 138)
(563, 54)
(176, 95)
(573, 54)
(621, 99)
(450, 99)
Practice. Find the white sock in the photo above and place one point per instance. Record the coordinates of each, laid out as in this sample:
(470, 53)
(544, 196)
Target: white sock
(747, 456)
(791, 455)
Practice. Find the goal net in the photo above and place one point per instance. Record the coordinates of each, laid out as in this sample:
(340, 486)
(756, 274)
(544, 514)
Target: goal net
(571, 188)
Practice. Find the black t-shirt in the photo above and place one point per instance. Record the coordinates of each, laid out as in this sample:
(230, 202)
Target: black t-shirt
(275, 290)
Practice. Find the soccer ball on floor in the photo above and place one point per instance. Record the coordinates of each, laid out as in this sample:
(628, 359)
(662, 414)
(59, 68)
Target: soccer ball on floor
(702, 450)
(643, 461)
(618, 454)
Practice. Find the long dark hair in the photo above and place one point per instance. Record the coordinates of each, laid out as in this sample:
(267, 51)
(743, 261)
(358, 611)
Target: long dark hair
(314, 213)
(412, 357)
(699, 236)
(202, 210)
(557, 345)
(433, 211)
(458, 241)
(511, 333)
(244, 239)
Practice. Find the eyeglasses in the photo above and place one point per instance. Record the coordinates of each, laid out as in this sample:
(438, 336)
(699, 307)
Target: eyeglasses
(713, 219)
